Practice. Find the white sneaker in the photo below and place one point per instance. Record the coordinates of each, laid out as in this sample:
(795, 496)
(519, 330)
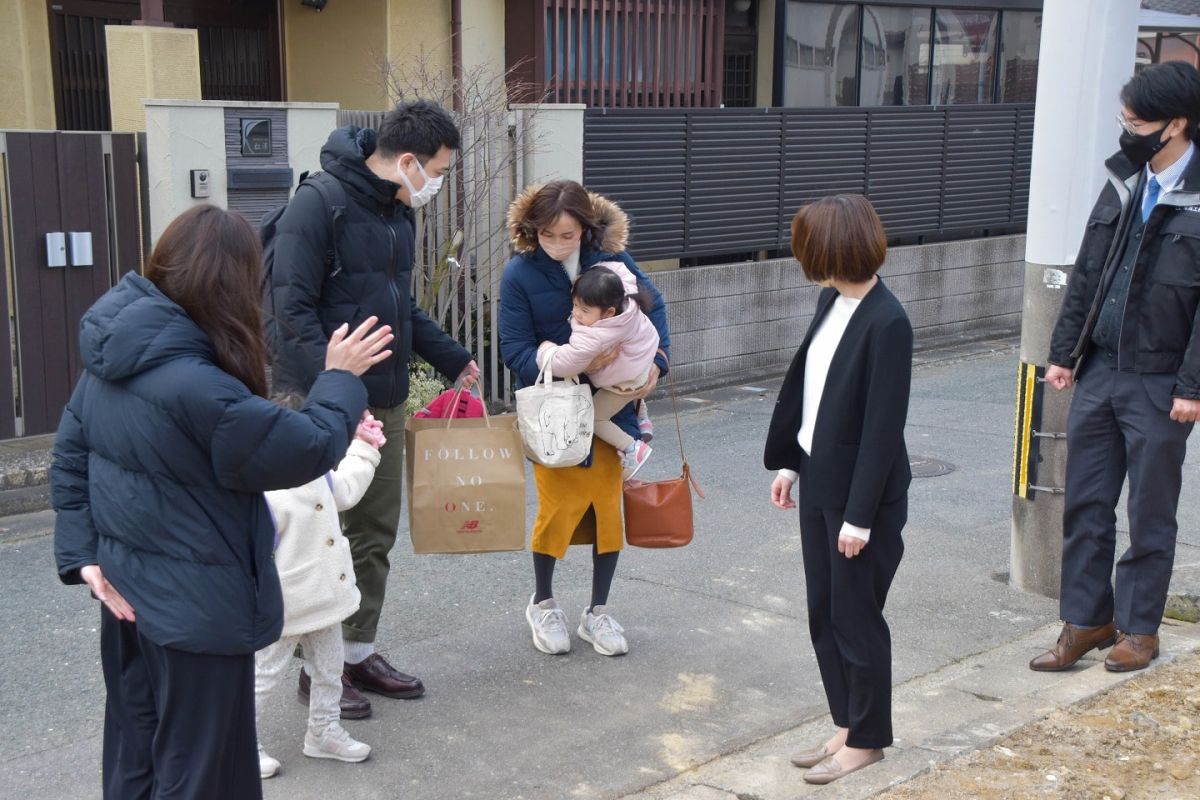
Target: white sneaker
(549, 626)
(603, 632)
(267, 767)
(335, 743)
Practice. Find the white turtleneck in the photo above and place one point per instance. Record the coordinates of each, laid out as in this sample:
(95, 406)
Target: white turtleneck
(816, 370)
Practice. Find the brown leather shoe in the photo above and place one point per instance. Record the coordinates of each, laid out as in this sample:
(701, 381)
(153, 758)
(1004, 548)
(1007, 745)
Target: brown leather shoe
(378, 676)
(1073, 643)
(354, 705)
(1133, 651)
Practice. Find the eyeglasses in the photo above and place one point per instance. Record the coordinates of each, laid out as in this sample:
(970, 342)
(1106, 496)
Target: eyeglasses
(1125, 124)
(1131, 128)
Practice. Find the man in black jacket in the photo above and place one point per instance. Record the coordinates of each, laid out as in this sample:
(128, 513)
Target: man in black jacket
(1127, 337)
(327, 272)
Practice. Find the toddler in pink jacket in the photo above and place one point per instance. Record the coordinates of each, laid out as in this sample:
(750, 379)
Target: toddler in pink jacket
(608, 317)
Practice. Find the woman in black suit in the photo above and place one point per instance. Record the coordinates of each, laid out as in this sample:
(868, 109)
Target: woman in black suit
(838, 433)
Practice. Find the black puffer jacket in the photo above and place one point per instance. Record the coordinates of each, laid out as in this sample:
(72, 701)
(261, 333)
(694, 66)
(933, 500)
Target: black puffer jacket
(376, 247)
(1159, 328)
(159, 468)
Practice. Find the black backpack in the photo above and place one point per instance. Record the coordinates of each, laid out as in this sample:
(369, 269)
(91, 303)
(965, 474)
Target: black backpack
(334, 196)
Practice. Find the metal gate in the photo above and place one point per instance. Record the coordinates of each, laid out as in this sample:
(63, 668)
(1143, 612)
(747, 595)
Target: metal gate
(71, 227)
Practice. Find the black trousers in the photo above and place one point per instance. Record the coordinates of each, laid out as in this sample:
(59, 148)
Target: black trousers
(845, 616)
(176, 725)
(1120, 425)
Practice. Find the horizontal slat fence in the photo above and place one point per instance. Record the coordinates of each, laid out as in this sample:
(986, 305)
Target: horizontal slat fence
(707, 181)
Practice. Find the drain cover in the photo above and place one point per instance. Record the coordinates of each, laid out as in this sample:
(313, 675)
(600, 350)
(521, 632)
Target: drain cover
(924, 467)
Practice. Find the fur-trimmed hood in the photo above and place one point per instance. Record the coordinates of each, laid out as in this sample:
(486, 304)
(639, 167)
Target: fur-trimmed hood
(614, 224)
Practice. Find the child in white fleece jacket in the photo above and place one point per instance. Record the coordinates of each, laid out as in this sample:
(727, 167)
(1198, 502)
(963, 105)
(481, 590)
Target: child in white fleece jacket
(607, 318)
(316, 572)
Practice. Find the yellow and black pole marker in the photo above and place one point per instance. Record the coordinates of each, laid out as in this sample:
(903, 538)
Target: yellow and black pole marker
(1031, 391)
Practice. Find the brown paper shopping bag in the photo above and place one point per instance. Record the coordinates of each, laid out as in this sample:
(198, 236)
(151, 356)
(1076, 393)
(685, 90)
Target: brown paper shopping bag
(465, 480)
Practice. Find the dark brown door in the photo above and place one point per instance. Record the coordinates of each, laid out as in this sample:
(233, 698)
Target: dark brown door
(79, 59)
(240, 52)
(240, 56)
(68, 187)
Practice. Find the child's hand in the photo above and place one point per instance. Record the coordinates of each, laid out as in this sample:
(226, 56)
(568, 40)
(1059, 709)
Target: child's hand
(370, 430)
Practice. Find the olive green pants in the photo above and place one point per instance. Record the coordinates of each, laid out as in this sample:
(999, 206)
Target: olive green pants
(371, 528)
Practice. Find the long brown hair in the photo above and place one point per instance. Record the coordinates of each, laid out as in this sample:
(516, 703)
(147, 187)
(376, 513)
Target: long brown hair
(209, 261)
(555, 199)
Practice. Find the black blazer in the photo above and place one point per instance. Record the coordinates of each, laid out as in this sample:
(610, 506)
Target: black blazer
(858, 458)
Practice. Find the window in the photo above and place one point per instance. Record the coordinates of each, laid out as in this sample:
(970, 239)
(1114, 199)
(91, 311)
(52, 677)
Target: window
(651, 54)
(963, 56)
(883, 53)
(1020, 38)
(895, 61)
(820, 54)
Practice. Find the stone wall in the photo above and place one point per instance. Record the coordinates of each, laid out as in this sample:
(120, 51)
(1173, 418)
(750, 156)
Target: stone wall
(733, 319)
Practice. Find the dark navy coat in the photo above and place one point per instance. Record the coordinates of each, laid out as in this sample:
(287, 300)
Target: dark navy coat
(535, 294)
(159, 468)
(376, 246)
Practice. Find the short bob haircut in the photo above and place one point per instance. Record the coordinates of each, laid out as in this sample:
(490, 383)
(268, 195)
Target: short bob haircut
(839, 238)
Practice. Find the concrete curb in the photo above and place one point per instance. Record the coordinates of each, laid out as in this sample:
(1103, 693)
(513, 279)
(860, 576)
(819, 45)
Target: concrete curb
(960, 708)
(25, 499)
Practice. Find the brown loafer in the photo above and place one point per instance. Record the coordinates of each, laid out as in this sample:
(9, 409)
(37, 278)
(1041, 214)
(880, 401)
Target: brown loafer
(810, 758)
(353, 704)
(1133, 651)
(378, 676)
(830, 770)
(1073, 643)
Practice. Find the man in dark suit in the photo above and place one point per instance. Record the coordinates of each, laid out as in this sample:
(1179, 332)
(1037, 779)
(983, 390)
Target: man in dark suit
(1127, 336)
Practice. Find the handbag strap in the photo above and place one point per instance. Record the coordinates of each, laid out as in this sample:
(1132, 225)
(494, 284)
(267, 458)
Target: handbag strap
(687, 471)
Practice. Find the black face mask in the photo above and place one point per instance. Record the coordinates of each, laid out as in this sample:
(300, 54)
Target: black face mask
(1141, 147)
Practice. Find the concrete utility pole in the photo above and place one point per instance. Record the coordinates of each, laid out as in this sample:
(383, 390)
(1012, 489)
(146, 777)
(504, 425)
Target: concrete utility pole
(1087, 53)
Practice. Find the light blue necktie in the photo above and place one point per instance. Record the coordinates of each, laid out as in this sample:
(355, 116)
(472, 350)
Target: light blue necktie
(1150, 199)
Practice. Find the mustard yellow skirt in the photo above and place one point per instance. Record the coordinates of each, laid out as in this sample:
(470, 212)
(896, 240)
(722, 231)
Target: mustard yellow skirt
(579, 505)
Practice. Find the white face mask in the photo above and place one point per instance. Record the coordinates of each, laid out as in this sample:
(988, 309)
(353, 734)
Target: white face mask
(561, 252)
(428, 190)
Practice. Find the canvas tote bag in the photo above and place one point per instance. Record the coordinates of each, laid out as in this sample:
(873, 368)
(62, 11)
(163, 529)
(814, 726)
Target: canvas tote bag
(465, 480)
(556, 419)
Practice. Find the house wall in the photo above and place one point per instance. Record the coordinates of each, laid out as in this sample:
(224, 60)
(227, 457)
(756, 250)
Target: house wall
(148, 62)
(336, 56)
(27, 91)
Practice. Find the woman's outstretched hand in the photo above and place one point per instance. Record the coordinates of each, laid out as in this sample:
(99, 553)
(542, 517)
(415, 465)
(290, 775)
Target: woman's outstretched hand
(781, 493)
(358, 350)
(105, 593)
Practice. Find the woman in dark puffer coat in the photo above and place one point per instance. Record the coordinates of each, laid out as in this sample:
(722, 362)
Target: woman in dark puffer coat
(159, 467)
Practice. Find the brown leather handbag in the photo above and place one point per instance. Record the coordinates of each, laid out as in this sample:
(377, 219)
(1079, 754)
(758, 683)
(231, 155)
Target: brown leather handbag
(659, 513)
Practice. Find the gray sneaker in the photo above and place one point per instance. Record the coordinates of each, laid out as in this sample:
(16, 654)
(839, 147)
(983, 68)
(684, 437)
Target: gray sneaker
(335, 743)
(549, 626)
(603, 632)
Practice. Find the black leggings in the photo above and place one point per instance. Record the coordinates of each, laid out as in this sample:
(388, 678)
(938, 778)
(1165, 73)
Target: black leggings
(604, 567)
